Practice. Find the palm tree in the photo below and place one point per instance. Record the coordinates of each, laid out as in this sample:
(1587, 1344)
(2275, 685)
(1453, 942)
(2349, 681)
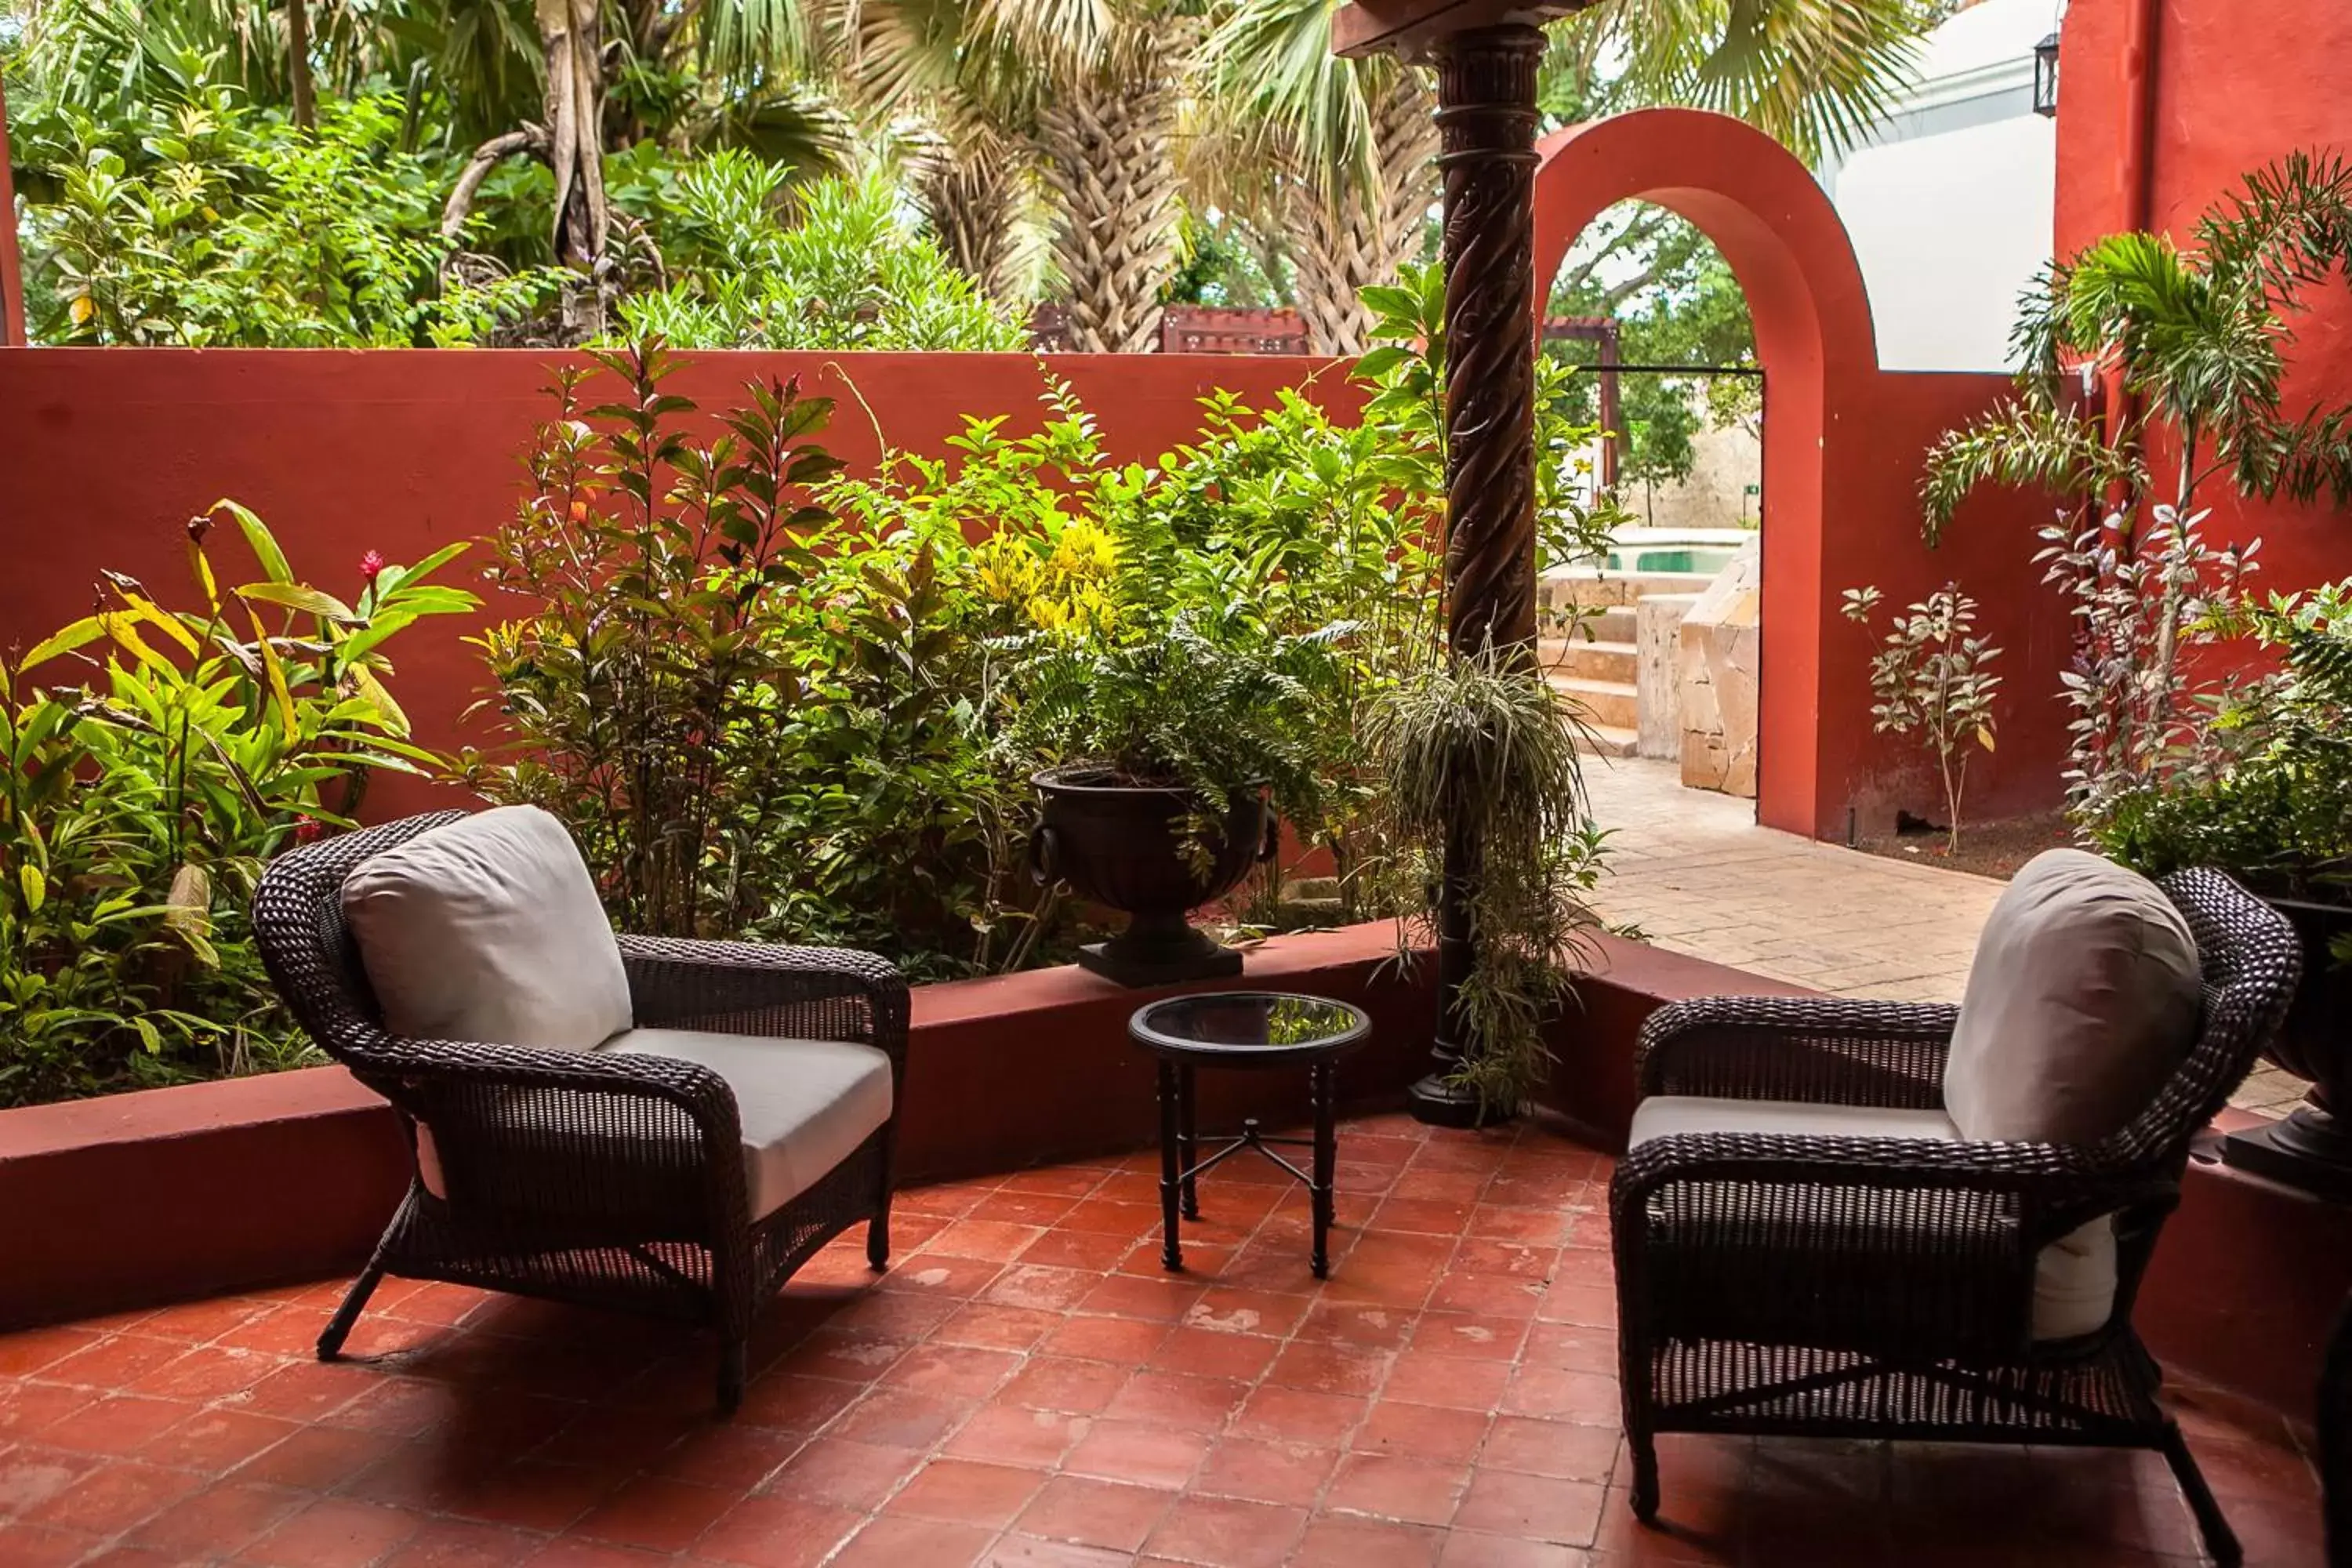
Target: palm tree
(1112, 79)
(1346, 151)
(971, 104)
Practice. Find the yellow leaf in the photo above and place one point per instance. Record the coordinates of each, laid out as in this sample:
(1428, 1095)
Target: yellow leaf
(82, 633)
(189, 907)
(373, 691)
(35, 885)
(1984, 738)
(155, 616)
(82, 310)
(124, 629)
(276, 672)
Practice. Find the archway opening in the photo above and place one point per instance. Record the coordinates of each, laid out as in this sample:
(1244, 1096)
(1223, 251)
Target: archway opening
(1784, 245)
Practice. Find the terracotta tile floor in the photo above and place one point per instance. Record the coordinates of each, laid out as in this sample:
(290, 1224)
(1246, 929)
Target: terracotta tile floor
(1026, 1386)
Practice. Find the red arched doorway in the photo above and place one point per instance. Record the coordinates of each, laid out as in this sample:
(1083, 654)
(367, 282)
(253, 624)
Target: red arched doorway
(1783, 241)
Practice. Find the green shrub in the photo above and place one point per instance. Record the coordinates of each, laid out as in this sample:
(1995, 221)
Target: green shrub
(204, 222)
(2272, 800)
(820, 726)
(834, 265)
(139, 801)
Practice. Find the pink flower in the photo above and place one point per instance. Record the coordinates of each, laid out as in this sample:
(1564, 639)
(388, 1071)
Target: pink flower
(307, 829)
(371, 567)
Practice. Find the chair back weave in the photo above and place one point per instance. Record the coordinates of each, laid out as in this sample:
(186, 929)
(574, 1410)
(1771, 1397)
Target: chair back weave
(298, 923)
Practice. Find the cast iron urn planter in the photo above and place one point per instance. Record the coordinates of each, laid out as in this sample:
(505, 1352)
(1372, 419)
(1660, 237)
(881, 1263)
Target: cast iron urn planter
(2311, 1148)
(1125, 847)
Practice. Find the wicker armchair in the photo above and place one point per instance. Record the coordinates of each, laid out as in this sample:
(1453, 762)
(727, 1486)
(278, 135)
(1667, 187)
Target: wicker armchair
(608, 1180)
(1777, 1284)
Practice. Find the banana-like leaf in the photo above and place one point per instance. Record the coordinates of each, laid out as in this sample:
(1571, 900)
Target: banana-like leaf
(296, 596)
(373, 691)
(256, 534)
(275, 672)
(80, 634)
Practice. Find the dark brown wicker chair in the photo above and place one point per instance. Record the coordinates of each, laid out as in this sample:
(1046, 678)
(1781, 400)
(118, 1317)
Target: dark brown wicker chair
(606, 1179)
(1882, 1287)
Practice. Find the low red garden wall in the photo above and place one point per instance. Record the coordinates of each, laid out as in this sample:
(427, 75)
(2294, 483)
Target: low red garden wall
(143, 1198)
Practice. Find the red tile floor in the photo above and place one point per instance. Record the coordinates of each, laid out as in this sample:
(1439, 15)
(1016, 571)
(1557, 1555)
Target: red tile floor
(1026, 1386)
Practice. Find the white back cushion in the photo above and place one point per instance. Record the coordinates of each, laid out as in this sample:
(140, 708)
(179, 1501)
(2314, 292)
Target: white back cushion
(2083, 999)
(489, 929)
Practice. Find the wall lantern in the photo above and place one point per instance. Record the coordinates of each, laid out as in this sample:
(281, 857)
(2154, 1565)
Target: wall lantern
(2046, 77)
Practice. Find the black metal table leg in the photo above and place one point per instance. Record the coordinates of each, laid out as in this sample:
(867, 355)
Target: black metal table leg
(1171, 1255)
(1322, 1078)
(1188, 1139)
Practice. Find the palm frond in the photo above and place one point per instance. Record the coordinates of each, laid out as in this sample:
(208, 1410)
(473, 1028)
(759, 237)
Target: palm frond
(2022, 446)
(1813, 74)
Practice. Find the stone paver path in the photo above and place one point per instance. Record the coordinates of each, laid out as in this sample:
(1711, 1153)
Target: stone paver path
(1692, 871)
(1695, 873)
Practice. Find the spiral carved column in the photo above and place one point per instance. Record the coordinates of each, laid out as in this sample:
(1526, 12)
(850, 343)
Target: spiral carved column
(1486, 116)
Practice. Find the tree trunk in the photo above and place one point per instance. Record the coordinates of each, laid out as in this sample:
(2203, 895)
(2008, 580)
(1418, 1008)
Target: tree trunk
(1109, 141)
(298, 62)
(1353, 237)
(570, 36)
(972, 197)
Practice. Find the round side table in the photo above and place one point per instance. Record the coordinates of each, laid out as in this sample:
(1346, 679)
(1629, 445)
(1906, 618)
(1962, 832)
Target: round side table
(1248, 1029)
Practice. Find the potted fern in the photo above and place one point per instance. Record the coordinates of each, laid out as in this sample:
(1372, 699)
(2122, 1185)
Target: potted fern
(1171, 760)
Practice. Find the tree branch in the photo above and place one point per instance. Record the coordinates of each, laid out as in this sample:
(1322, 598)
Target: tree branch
(487, 156)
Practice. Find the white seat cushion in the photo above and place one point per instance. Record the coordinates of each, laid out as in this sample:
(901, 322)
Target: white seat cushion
(2074, 1278)
(2083, 1000)
(806, 1105)
(488, 928)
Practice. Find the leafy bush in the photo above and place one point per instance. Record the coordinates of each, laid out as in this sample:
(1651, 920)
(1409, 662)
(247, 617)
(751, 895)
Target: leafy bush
(834, 265)
(203, 222)
(821, 727)
(653, 675)
(139, 803)
(2277, 806)
(1930, 676)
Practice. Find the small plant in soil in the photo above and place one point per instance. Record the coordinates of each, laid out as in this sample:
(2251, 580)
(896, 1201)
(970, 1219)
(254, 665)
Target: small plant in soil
(1930, 677)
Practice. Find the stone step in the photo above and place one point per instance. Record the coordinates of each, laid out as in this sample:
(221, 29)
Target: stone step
(1594, 660)
(1608, 702)
(1564, 585)
(1615, 623)
(1608, 741)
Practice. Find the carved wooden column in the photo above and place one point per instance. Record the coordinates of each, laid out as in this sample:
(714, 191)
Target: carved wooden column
(1486, 116)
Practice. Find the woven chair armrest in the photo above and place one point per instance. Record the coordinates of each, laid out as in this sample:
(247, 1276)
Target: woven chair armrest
(400, 1066)
(754, 988)
(2054, 1177)
(1827, 1050)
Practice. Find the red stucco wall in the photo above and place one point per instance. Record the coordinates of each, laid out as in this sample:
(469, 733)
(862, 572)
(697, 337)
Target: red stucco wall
(105, 453)
(2231, 89)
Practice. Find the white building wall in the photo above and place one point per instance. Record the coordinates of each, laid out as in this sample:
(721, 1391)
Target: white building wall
(1949, 200)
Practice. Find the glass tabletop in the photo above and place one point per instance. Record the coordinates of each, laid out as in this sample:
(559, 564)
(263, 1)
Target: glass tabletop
(1260, 1024)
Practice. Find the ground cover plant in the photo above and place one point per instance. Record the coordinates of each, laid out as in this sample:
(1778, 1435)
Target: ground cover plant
(152, 758)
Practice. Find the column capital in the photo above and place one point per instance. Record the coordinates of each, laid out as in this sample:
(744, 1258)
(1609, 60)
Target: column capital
(1414, 27)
